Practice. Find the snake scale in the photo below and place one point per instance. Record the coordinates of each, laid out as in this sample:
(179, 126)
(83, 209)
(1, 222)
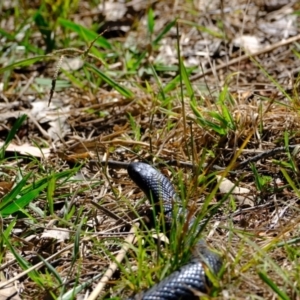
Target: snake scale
(191, 278)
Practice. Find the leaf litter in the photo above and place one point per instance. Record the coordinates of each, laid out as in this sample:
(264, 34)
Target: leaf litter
(93, 123)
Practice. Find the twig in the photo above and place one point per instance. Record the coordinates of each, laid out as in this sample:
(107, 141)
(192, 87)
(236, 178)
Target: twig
(35, 267)
(108, 212)
(265, 154)
(25, 88)
(246, 56)
(114, 265)
(37, 124)
(183, 164)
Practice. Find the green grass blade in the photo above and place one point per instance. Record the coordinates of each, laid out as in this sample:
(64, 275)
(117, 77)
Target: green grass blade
(135, 127)
(213, 33)
(22, 262)
(9, 228)
(205, 123)
(223, 95)
(17, 204)
(45, 30)
(85, 33)
(6, 34)
(121, 89)
(159, 83)
(228, 116)
(5, 234)
(52, 270)
(25, 62)
(11, 204)
(218, 117)
(172, 85)
(163, 32)
(290, 181)
(61, 175)
(76, 250)
(271, 78)
(29, 47)
(8, 198)
(151, 21)
(256, 177)
(50, 193)
(12, 134)
(282, 295)
(70, 295)
(79, 82)
(47, 82)
(185, 77)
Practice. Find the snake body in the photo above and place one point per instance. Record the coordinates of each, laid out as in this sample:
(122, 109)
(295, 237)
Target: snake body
(191, 278)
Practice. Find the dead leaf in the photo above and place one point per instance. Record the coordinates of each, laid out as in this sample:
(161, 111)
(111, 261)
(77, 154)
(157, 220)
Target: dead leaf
(55, 115)
(27, 149)
(161, 237)
(9, 291)
(73, 158)
(59, 234)
(113, 11)
(282, 23)
(242, 195)
(5, 187)
(72, 64)
(248, 42)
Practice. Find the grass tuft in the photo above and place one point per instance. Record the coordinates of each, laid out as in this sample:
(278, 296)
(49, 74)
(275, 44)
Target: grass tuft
(169, 83)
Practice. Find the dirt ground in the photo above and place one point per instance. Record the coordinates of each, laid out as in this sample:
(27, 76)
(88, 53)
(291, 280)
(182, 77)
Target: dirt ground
(225, 119)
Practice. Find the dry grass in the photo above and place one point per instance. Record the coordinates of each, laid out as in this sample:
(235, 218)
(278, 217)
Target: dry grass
(245, 108)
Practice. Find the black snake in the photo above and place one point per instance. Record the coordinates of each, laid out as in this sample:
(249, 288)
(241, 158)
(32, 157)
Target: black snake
(191, 277)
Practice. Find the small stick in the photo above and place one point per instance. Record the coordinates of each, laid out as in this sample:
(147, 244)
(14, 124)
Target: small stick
(265, 154)
(246, 56)
(35, 267)
(108, 212)
(183, 164)
(114, 265)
